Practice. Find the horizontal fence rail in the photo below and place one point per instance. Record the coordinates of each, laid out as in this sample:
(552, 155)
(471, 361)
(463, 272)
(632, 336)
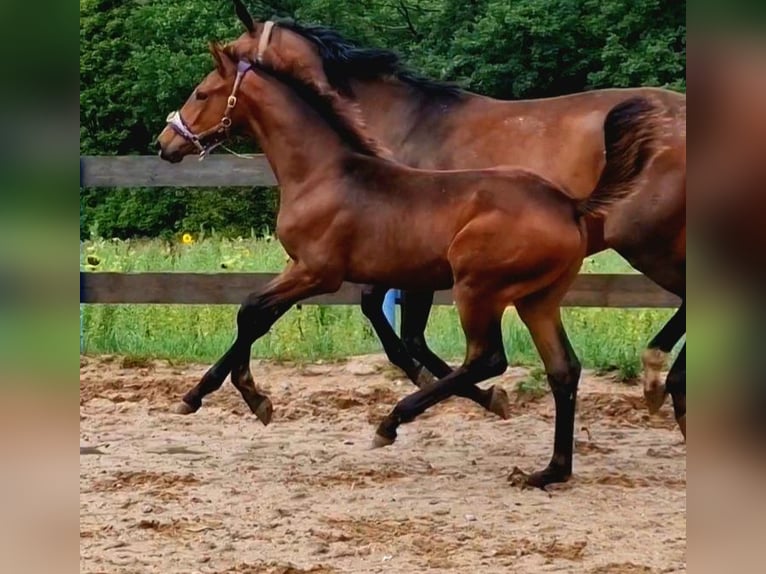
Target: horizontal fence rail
(588, 290)
(151, 171)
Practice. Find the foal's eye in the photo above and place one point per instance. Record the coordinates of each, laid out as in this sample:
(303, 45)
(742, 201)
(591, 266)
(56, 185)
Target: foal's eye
(200, 95)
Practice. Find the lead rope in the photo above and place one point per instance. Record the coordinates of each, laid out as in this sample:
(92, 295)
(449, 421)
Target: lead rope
(239, 155)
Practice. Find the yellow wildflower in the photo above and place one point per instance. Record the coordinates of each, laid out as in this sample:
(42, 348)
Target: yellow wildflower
(187, 239)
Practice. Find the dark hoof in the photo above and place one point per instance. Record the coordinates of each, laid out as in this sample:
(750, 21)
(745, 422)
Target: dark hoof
(539, 479)
(499, 403)
(385, 435)
(380, 441)
(184, 408)
(264, 411)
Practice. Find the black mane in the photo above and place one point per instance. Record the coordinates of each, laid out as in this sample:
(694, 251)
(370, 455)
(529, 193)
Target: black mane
(340, 116)
(343, 59)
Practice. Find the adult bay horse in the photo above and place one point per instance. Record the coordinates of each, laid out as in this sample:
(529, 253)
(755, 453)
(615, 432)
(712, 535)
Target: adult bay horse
(436, 126)
(347, 213)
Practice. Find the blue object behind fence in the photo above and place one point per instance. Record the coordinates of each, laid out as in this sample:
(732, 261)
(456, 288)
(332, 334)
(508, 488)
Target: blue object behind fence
(389, 307)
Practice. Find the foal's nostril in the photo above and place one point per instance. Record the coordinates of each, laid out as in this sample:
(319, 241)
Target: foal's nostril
(172, 157)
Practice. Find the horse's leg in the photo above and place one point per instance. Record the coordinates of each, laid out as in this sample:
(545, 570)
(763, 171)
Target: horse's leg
(676, 385)
(416, 307)
(257, 314)
(542, 317)
(485, 358)
(372, 302)
(655, 358)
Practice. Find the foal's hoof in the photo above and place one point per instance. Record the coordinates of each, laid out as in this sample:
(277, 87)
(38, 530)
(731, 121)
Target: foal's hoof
(654, 389)
(264, 411)
(379, 441)
(184, 408)
(499, 403)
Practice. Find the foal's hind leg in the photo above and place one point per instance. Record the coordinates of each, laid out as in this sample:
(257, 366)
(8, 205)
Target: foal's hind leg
(494, 399)
(416, 306)
(485, 358)
(542, 317)
(255, 317)
(655, 358)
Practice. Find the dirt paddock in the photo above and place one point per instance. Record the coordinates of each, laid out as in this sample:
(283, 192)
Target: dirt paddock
(216, 492)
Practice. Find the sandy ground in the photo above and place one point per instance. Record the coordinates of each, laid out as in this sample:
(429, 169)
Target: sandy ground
(218, 492)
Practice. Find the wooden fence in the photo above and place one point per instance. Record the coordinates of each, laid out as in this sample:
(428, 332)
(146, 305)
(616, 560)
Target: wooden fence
(589, 290)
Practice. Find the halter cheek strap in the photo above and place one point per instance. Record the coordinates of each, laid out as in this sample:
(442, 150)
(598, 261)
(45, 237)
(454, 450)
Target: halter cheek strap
(263, 44)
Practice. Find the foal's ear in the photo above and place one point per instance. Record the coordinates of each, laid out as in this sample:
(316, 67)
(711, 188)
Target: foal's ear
(224, 61)
(243, 15)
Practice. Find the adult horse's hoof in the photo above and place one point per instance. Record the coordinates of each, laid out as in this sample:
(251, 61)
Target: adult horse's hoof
(499, 402)
(264, 411)
(654, 389)
(655, 398)
(184, 408)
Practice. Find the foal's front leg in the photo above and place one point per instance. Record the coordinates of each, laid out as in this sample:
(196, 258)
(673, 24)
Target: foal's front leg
(257, 314)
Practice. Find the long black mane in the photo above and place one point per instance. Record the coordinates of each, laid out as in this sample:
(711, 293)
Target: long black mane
(343, 60)
(344, 118)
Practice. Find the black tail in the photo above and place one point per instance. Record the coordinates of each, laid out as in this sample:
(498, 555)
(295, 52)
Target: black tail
(632, 132)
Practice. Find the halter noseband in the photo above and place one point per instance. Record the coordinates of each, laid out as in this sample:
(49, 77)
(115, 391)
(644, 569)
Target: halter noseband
(175, 121)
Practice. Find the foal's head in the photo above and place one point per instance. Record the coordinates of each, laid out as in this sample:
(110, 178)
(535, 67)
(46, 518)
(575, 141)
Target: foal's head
(205, 120)
(212, 111)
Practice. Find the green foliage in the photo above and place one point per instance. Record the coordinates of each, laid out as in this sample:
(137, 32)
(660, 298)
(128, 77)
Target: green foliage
(140, 59)
(535, 386)
(540, 48)
(152, 212)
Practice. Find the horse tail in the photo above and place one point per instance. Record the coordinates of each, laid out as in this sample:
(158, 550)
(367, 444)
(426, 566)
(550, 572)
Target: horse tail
(632, 132)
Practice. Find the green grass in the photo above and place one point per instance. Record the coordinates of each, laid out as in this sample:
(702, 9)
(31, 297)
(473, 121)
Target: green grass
(605, 339)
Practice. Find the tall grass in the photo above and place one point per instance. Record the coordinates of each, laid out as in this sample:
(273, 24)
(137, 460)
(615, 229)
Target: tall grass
(604, 339)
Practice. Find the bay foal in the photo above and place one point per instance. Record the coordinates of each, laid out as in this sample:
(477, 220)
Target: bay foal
(347, 213)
